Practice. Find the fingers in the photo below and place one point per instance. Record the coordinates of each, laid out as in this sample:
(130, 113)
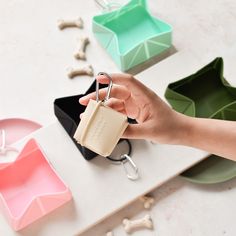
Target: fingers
(115, 104)
(125, 80)
(133, 131)
(123, 86)
(117, 91)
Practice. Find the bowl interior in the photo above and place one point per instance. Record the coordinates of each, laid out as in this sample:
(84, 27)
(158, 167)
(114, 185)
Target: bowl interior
(71, 107)
(208, 93)
(27, 178)
(134, 27)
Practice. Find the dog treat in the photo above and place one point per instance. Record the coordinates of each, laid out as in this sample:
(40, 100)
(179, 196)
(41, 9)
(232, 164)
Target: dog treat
(87, 70)
(78, 23)
(132, 225)
(147, 201)
(80, 54)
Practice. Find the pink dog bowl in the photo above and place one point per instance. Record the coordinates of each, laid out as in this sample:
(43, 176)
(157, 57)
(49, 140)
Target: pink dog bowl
(30, 187)
(17, 128)
(12, 130)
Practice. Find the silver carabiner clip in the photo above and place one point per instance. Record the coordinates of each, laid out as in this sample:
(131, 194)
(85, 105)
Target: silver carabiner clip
(4, 148)
(108, 88)
(108, 6)
(128, 160)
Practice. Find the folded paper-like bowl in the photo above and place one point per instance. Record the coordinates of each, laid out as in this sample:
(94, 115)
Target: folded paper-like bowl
(30, 187)
(68, 110)
(206, 94)
(131, 35)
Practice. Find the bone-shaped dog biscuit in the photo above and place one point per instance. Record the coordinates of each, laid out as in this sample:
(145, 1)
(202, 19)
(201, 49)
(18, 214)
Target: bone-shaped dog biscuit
(145, 222)
(78, 23)
(80, 54)
(87, 70)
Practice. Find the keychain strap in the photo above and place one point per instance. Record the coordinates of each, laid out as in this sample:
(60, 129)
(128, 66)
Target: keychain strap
(122, 157)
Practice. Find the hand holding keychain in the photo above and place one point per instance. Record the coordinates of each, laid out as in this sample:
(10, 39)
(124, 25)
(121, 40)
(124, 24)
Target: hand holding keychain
(101, 128)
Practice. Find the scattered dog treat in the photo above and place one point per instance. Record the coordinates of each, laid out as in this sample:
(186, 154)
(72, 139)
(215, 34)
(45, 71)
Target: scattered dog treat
(145, 222)
(109, 233)
(80, 54)
(147, 201)
(87, 70)
(78, 23)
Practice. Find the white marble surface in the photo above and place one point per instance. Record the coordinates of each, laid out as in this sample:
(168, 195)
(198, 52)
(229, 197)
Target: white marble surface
(34, 55)
(98, 187)
(157, 163)
(181, 208)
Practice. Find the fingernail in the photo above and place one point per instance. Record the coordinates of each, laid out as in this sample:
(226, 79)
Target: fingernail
(81, 99)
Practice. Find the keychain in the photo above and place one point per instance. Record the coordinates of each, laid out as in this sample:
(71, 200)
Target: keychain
(101, 128)
(125, 160)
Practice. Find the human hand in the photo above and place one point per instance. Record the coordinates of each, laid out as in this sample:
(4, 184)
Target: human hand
(156, 121)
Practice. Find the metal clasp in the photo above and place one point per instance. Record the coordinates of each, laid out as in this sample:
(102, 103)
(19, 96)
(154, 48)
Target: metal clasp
(134, 175)
(108, 88)
(5, 148)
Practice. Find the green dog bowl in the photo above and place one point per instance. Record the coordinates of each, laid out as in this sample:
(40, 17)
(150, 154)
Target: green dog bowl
(131, 35)
(206, 94)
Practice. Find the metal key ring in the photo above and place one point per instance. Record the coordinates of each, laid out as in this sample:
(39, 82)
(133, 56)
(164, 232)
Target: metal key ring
(126, 159)
(108, 88)
(135, 174)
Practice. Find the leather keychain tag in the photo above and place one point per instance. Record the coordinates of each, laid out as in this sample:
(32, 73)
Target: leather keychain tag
(101, 127)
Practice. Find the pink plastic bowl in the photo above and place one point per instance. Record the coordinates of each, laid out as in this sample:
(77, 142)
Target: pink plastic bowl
(18, 128)
(30, 187)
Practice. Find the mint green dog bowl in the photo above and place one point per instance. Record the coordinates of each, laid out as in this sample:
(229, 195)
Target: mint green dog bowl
(131, 35)
(206, 94)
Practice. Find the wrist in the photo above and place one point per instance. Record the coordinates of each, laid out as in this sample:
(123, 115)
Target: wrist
(184, 129)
